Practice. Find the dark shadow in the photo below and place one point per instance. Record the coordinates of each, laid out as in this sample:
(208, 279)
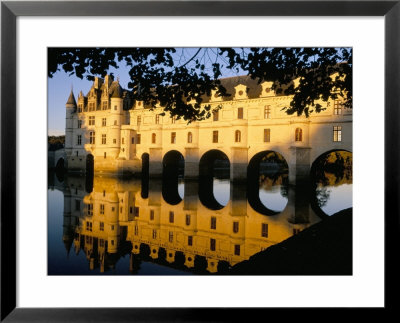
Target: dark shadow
(213, 164)
(173, 170)
(145, 176)
(89, 173)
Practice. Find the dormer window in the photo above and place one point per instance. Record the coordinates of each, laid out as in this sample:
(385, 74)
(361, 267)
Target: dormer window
(240, 91)
(266, 89)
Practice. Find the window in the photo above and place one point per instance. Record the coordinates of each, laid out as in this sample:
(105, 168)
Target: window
(105, 105)
(79, 124)
(136, 211)
(173, 119)
(235, 227)
(299, 134)
(153, 138)
(190, 240)
(101, 226)
(138, 139)
(215, 115)
(80, 108)
(90, 209)
(213, 222)
(115, 107)
(91, 121)
(79, 141)
(157, 118)
(237, 249)
(337, 107)
(115, 123)
(112, 227)
(238, 136)
(267, 135)
(171, 236)
(215, 136)
(122, 140)
(136, 230)
(104, 193)
(101, 208)
(154, 234)
(104, 122)
(77, 205)
(88, 226)
(267, 112)
(296, 231)
(187, 219)
(151, 215)
(264, 230)
(337, 133)
(189, 137)
(139, 120)
(91, 106)
(101, 242)
(240, 113)
(103, 139)
(171, 217)
(114, 141)
(92, 137)
(212, 244)
(105, 155)
(133, 140)
(112, 242)
(173, 137)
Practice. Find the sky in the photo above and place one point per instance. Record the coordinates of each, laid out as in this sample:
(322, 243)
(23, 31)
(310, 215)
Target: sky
(60, 85)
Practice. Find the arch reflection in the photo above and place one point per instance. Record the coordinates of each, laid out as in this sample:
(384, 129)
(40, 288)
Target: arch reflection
(331, 182)
(214, 183)
(117, 230)
(267, 182)
(173, 172)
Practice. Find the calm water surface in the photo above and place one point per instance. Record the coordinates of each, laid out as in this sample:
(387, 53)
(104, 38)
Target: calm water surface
(111, 226)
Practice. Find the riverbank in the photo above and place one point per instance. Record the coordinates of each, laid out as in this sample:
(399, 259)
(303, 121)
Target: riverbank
(322, 249)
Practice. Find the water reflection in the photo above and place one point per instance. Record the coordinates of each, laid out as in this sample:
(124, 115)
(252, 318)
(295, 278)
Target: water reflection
(169, 226)
(332, 180)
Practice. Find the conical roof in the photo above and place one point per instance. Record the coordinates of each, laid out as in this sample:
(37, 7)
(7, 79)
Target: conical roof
(71, 99)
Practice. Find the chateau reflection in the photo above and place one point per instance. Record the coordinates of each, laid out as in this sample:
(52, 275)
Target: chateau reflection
(147, 220)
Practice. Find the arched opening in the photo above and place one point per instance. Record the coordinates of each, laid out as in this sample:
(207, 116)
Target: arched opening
(89, 164)
(173, 172)
(214, 183)
(89, 173)
(145, 175)
(332, 182)
(59, 171)
(267, 182)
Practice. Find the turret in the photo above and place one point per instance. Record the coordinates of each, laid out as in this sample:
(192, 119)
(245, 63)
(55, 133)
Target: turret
(70, 108)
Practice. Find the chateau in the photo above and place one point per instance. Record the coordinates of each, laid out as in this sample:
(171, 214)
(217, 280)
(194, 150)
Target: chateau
(107, 131)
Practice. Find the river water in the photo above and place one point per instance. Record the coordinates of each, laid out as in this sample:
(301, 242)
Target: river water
(112, 226)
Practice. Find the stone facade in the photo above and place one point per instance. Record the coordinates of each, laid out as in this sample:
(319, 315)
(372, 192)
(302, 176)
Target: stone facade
(119, 133)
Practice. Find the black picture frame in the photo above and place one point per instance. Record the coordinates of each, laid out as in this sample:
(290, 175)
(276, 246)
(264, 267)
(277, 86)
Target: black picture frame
(10, 10)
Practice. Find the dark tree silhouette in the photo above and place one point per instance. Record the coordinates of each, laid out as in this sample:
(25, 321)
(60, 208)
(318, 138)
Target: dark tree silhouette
(180, 86)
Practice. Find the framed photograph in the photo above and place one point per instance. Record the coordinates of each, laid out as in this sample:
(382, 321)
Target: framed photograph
(161, 158)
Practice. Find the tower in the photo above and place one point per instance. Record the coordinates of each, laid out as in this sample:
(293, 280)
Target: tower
(70, 108)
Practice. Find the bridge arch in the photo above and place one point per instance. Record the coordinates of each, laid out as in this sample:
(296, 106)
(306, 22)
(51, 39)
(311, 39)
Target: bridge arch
(145, 163)
(212, 161)
(173, 171)
(214, 164)
(331, 173)
(267, 168)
